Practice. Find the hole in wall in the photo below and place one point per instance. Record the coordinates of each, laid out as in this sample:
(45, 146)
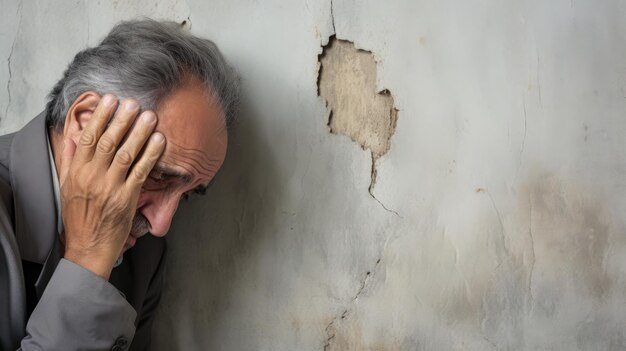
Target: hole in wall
(347, 83)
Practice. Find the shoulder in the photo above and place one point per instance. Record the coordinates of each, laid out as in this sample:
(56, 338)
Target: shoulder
(6, 191)
(5, 148)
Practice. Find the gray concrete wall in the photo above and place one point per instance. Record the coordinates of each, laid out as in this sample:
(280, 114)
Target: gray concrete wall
(488, 216)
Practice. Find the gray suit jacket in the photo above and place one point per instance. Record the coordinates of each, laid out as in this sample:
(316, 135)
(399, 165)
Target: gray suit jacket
(49, 303)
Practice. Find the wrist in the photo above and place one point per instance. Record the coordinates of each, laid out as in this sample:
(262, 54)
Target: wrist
(100, 265)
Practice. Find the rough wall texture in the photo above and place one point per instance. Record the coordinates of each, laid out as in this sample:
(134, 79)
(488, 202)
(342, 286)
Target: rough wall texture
(503, 185)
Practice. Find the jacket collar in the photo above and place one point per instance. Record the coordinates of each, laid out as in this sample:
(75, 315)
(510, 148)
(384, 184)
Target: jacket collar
(33, 194)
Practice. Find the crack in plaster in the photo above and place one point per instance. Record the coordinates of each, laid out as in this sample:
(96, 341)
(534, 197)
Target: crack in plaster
(19, 23)
(539, 81)
(332, 16)
(373, 182)
(523, 146)
(521, 152)
(532, 250)
(330, 327)
(504, 256)
(347, 82)
(466, 286)
(377, 140)
(505, 247)
(490, 342)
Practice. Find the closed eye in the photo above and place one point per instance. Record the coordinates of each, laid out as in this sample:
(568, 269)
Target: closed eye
(153, 182)
(199, 190)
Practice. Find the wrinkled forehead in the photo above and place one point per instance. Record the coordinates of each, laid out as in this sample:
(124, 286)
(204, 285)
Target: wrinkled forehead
(192, 117)
(194, 127)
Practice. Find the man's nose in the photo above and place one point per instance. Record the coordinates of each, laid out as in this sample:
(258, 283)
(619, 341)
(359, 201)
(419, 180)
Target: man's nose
(159, 211)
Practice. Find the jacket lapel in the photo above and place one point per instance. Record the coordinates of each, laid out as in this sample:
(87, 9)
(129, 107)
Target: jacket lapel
(55, 255)
(33, 194)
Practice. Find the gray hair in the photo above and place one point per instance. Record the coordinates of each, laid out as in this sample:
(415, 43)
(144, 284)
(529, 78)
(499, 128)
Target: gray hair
(145, 60)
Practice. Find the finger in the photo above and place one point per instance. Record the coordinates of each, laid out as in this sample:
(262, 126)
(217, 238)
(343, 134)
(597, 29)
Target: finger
(113, 135)
(66, 158)
(126, 154)
(92, 132)
(142, 168)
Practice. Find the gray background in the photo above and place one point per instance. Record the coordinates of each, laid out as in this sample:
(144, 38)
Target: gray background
(504, 179)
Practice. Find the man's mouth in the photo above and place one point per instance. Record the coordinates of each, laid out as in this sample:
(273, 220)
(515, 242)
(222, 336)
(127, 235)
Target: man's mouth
(138, 229)
(131, 241)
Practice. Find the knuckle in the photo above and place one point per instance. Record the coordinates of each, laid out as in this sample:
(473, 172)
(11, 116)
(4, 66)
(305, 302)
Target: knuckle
(87, 139)
(141, 173)
(150, 154)
(106, 145)
(124, 158)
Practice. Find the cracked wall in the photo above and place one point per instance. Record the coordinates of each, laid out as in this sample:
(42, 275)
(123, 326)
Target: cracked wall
(489, 218)
(347, 83)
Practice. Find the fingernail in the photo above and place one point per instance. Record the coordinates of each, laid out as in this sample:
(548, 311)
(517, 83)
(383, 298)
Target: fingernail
(149, 117)
(131, 105)
(108, 99)
(157, 137)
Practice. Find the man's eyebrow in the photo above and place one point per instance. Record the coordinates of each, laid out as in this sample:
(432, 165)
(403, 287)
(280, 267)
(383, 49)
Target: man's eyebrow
(168, 172)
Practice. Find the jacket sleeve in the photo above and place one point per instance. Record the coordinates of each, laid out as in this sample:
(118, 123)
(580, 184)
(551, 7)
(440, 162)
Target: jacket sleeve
(79, 311)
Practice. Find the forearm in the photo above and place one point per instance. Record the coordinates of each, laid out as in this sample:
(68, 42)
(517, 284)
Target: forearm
(79, 311)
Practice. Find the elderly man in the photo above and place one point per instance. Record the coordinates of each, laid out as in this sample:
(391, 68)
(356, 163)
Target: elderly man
(136, 124)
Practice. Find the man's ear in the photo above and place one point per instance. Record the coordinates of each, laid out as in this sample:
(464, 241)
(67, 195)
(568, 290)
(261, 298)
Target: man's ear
(79, 114)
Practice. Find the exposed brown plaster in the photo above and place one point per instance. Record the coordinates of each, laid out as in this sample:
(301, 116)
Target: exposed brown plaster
(347, 82)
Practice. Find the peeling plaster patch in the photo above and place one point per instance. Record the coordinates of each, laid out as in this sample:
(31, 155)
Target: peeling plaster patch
(347, 82)
(332, 16)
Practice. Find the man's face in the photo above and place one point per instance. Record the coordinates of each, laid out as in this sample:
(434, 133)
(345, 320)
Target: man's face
(196, 141)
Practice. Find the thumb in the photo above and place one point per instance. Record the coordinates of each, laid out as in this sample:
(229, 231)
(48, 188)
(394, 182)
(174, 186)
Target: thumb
(66, 158)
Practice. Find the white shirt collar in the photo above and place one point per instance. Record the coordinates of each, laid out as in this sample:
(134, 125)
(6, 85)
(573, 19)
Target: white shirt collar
(55, 186)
